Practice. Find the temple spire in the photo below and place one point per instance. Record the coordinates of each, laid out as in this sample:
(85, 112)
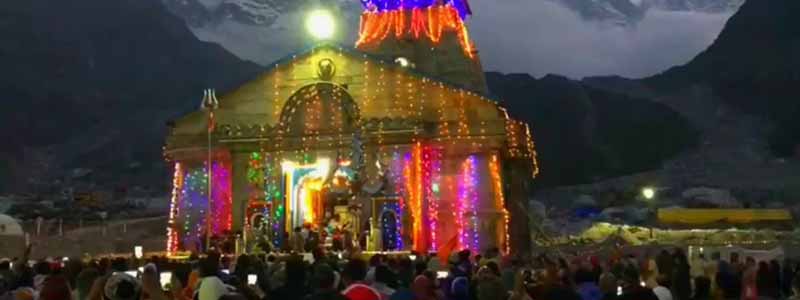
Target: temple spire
(428, 34)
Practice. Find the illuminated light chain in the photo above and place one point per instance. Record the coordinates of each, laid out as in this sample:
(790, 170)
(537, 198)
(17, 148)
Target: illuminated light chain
(386, 5)
(531, 148)
(194, 202)
(431, 179)
(468, 205)
(499, 197)
(221, 198)
(412, 172)
(431, 21)
(395, 208)
(463, 126)
(397, 172)
(417, 209)
(174, 209)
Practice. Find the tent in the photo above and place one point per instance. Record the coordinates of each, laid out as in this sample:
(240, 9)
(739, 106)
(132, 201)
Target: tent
(9, 226)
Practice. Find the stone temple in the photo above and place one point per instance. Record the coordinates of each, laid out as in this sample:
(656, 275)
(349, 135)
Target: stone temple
(395, 141)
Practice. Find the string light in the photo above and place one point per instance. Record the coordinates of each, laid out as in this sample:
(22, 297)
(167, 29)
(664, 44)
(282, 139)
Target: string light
(174, 209)
(468, 205)
(430, 22)
(499, 197)
(393, 99)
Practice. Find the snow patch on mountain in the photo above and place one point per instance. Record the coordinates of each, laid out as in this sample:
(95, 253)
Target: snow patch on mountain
(631, 12)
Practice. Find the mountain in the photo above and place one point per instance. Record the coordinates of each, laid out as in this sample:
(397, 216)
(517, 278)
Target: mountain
(741, 94)
(89, 86)
(261, 30)
(584, 134)
(754, 67)
(630, 12)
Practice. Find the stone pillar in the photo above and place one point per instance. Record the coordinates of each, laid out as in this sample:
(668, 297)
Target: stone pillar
(239, 190)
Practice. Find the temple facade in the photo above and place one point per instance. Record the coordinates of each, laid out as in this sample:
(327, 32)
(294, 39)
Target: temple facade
(394, 141)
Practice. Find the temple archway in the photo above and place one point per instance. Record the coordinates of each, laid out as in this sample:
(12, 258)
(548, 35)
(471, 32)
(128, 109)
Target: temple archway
(320, 109)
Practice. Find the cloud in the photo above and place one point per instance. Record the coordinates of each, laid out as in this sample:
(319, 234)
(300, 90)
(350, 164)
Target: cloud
(541, 37)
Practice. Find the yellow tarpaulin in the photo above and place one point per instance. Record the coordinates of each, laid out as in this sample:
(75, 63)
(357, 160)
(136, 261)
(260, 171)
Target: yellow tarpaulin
(708, 216)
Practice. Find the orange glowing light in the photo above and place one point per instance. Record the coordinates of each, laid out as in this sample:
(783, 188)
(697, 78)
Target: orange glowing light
(432, 22)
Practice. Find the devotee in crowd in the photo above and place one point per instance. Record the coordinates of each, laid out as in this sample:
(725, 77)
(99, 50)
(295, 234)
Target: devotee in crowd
(662, 288)
(401, 276)
(681, 285)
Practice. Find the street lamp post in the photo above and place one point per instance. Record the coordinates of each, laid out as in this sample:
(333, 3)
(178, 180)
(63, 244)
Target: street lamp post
(209, 104)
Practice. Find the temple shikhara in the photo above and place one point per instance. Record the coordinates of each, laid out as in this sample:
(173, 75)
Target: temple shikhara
(395, 142)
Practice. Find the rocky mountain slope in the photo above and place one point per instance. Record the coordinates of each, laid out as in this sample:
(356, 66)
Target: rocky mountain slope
(584, 134)
(741, 94)
(90, 85)
(630, 12)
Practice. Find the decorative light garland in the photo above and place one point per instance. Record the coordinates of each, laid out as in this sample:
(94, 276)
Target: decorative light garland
(468, 205)
(430, 22)
(383, 5)
(174, 209)
(499, 197)
(431, 179)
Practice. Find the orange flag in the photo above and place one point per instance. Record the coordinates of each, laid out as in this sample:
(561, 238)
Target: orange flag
(447, 249)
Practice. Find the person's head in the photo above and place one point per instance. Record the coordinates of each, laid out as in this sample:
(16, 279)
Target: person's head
(181, 273)
(774, 265)
(750, 261)
(119, 264)
(121, 286)
(55, 288)
(243, 262)
(463, 255)
(295, 270)
(420, 267)
(298, 229)
(323, 277)
(318, 253)
(702, 287)
(734, 257)
(384, 275)
(607, 283)
(663, 280)
(375, 260)
(42, 268)
(679, 257)
(5, 265)
(85, 280)
(209, 266)
(355, 270)
(583, 275)
(493, 268)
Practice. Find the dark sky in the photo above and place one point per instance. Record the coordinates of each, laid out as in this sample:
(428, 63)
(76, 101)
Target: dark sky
(540, 37)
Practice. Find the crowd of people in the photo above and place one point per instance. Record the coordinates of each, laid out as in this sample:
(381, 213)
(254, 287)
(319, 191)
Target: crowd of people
(464, 275)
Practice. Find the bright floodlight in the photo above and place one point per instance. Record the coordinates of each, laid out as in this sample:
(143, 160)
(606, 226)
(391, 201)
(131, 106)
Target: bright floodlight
(320, 24)
(648, 193)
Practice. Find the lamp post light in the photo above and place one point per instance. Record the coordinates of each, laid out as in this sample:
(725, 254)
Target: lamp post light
(321, 24)
(209, 104)
(648, 193)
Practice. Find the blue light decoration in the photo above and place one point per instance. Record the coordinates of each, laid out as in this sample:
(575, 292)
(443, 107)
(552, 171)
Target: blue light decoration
(386, 5)
(392, 231)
